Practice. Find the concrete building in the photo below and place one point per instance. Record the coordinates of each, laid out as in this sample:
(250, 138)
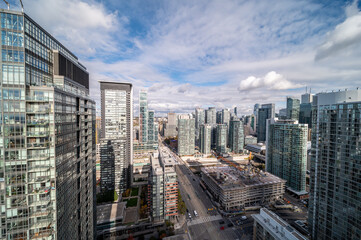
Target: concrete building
(335, 179)
(266, 111)
(156, 189)
(186, 135)
(235, 190)
(286, 155)
(236, 136)
(222, 138)
(116, 147)
(163, 187)
(47, 136)
(293, 108)
(171, 126)
(269, 226)
(205, 139)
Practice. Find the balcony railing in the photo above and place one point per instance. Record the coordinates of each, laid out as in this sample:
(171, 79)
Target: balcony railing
(38, 134)
(38, 157)
(38, 145)
(38, 122)
(38, 99)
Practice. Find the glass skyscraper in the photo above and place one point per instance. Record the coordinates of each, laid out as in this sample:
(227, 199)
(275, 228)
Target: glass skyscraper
(186, 135)
(47, 136)
(116, 146)
(236, 136)
(205, 138)
(335, 179)
(267, 111)
(286, 155)
(293, 108)
(221, 137)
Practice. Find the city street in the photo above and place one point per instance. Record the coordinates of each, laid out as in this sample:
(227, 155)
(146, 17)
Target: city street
(206, 225)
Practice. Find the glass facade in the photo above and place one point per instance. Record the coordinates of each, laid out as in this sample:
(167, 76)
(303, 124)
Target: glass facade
(116, 145)
(286, 155)
(236, 136)
(293, 108)
(335, 177)
(222, 138)
(46, 135)
(186, 135)
(267, 111)
(205, 138)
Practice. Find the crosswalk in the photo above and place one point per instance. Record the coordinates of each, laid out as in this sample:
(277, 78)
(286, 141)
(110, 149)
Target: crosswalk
(200, 220)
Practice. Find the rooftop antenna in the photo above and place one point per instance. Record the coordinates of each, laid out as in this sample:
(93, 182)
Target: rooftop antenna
(22, 6)
(7, 4)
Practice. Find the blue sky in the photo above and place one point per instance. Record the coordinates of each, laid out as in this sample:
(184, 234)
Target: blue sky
(224, 53)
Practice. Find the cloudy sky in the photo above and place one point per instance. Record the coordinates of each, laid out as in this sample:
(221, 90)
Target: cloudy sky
(221, 53)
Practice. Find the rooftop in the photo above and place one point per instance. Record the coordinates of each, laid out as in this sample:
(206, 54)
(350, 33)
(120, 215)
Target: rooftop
(276, 226)
(110, 212)
(230, 177)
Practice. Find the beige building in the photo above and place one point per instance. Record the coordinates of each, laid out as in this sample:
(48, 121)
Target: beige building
(236, 190)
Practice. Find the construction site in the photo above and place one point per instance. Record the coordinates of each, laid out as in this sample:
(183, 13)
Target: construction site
(238, 187)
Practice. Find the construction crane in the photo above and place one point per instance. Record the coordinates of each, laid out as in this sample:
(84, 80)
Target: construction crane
(230, 163)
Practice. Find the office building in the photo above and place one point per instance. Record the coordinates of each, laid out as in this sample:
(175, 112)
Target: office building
(286, 155)
(200, 117)
(148, 127)
(236, 133)
(47, 132)
(235, 111)
(186, 135)
(211, 116)
(171, 126)
(282, 113)
(306, 109)
(236, 190)
(335, 179)
(116, 147)
(255, 109)
(221, 138)
(205, 138)
(307, 98)
(267, 225)
(293, 108)
(266, 111)
(225, 117)
(219, 117)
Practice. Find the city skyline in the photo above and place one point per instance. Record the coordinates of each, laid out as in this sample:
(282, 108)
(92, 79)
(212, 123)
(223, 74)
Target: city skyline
(186, 58)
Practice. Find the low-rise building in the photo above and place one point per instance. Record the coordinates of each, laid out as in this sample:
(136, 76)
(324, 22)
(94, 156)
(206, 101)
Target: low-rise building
(269, 226)
(236, 189)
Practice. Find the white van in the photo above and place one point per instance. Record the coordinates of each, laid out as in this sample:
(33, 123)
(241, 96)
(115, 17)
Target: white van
(195, 213)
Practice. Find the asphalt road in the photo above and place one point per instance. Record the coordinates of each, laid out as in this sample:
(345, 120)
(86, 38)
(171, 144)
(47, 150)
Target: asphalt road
(206, 225)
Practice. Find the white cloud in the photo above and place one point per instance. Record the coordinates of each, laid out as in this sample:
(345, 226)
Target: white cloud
(345, 38)
(271, 80)
(86, 27)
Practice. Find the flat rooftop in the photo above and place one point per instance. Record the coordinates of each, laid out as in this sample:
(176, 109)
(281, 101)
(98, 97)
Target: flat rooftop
(166, 158)
(230, 177)
(110, 212)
